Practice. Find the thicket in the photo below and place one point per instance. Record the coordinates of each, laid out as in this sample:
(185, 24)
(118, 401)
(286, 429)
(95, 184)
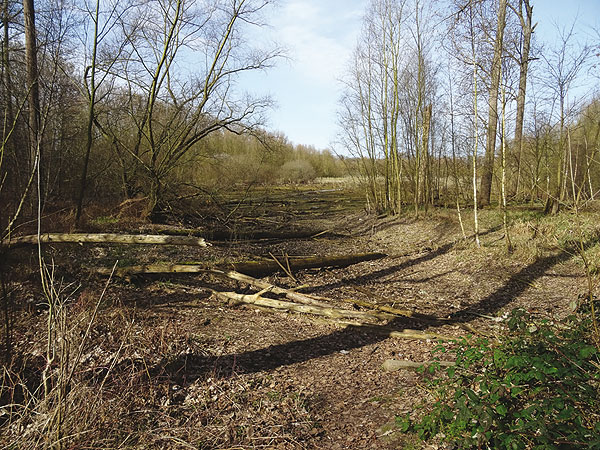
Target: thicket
(470, 109)
(538, 387)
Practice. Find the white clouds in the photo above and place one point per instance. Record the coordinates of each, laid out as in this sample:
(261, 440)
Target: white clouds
(320, 36)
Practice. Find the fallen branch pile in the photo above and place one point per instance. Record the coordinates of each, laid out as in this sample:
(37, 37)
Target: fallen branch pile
(296, 302)
(319, 306)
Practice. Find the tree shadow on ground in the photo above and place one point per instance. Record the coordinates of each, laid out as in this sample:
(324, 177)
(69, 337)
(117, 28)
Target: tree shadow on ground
(190, 367)
(382, 273)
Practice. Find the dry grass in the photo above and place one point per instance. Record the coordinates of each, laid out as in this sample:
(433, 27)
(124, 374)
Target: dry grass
(110, 386)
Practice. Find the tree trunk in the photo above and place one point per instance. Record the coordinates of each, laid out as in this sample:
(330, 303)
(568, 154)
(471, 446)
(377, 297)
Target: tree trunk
(254, 268)
(334, 313)
(90, 118)
(6, 79)
(526, 25)
(490, 146)
(32, 79)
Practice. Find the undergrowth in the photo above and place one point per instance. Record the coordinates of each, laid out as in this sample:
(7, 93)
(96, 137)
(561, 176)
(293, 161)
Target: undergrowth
(536, 388)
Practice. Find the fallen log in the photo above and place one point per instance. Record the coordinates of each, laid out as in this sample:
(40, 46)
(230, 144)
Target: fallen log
(264, 235)
(105, 238)
(396, 311)
(252, 268)
(332, 315)
(384, 308)
(335, 313)
(261, 268)
(405, 333)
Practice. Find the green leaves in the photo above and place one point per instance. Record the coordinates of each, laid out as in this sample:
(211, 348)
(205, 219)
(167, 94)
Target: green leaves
(587, 351)
(502, 410)
(537, 388)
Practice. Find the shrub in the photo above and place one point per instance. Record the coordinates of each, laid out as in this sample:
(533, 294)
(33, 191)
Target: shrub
(537, 388)
(297, 171)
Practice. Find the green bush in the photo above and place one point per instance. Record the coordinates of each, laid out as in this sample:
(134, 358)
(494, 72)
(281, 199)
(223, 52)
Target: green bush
(537, 388)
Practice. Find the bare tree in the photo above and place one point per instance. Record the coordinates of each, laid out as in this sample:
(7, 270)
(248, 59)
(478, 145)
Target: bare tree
(97, 72)
(371, 108)
(32, 77)
(563, 64)
(527, 29)
(387, 107)
(475, 130)
(179, 66)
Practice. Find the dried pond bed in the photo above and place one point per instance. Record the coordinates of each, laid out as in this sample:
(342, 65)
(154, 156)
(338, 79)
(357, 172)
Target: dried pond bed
(170, 365)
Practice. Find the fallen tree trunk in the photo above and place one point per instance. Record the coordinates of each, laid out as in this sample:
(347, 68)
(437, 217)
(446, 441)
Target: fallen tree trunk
(406, 333)
(252, 268)
(331, 313)
(384, 308)
(335, 313)
(105, 238)
(397, 312)
(224, 235)
(261, 268)
(263, 285)
(384, 330)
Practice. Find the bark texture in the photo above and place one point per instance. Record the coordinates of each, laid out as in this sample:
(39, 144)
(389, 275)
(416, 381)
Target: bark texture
(492, 127)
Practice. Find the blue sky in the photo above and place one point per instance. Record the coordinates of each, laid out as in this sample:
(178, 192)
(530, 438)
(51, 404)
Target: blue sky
(320, 35)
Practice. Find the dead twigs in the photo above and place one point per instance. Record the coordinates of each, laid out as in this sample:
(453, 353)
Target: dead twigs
(305, 304)
(335, 313)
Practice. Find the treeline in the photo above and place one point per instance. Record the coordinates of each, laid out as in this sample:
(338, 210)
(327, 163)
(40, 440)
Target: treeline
(110, 100)
(229, 160)
(447, 100)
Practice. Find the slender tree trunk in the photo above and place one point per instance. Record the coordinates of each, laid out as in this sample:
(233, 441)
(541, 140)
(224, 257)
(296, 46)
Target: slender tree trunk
(455, 169)
(32, 79)
(490, 147)
(503, 184)
(554, 201)
(6, 78)
(475, 146)
(426, 156)
(526, 26)
(90, 118)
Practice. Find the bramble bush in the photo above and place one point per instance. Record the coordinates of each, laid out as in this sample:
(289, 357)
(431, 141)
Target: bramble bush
(538, 388)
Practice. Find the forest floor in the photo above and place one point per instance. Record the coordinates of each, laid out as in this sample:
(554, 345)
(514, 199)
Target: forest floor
(167, 364)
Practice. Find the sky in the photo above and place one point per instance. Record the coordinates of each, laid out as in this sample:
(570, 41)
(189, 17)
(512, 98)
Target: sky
(319, 36)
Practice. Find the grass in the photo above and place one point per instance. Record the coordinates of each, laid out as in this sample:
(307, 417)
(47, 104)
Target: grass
(104, 220)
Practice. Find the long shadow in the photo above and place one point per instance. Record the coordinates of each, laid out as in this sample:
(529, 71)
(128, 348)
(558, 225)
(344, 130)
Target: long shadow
(378, 274)
(382, 272)
(519, 282)
(188, 368)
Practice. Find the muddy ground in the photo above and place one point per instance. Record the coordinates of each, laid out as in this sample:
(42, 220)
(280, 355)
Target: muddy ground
(173, 366)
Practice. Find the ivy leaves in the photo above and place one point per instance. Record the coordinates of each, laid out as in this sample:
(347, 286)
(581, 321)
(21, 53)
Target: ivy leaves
(539, 387)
